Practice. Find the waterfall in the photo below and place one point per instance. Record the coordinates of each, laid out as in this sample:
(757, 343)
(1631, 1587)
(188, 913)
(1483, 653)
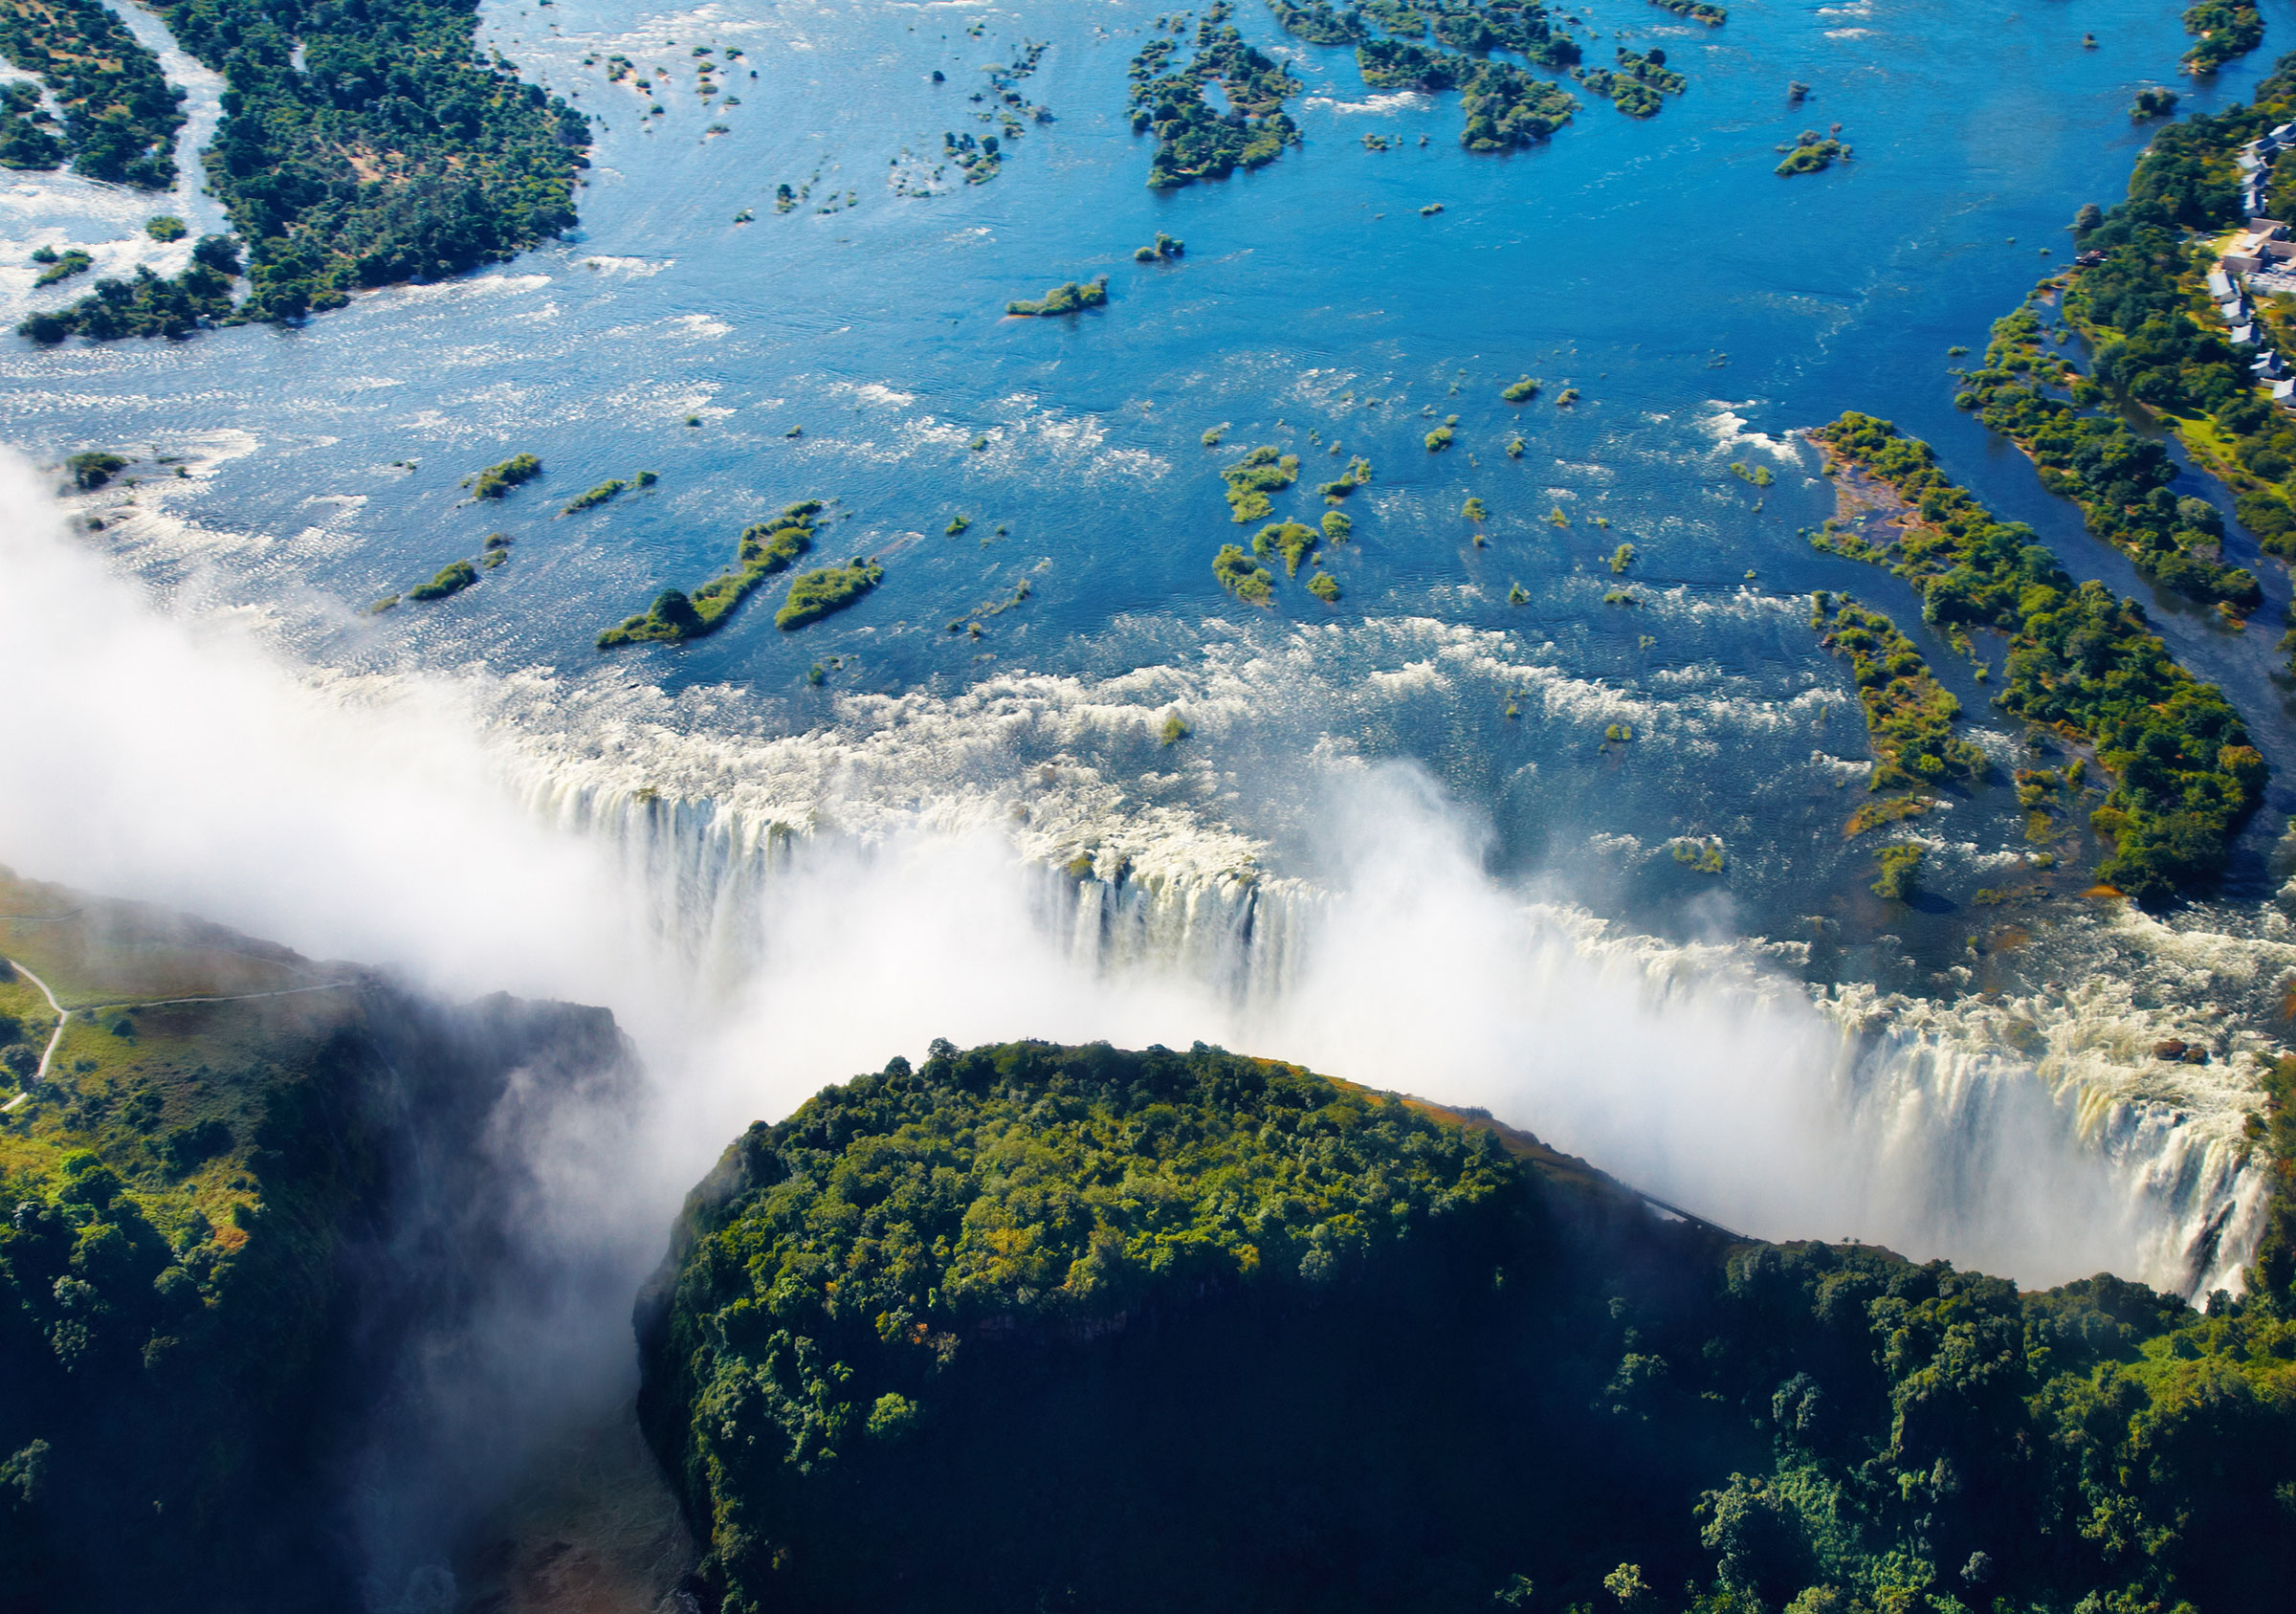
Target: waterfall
(1984, 1128)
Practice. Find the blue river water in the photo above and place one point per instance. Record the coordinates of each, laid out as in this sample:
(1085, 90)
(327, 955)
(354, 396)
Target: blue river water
(1703, 308)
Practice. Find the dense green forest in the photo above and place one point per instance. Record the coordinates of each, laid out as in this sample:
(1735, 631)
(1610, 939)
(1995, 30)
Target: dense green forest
(2080, 660)
(1039, 1327)
(120, 113)
(394, 154)
(2225, 28)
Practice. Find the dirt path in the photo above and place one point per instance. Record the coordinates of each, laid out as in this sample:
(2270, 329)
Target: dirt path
(63, 1014)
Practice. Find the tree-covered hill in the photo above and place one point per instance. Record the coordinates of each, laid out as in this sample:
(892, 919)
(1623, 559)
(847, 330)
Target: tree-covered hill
(1040, 1327)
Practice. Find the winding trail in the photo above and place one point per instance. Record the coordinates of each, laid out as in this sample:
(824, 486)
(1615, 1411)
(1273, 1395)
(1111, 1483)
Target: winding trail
(62, 1015)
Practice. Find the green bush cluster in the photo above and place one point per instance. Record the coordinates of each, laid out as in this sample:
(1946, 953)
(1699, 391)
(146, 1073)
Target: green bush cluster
(1065, 298)
(1901, 870)
(1357, 474)
(1264, 470)
(147, 305)
(1639, 83)
(1812, 154)
(816, 593)
(2225, 28)
(2080, 660)
(120, 113)
(496, 480)
(766, 547)
(1242, 576)
(1293, 541)
(1697, 10)
(612, 488)
(1052, 1326)
(1909, 714)
(28, 137)
(1193, 141)
(452, 579)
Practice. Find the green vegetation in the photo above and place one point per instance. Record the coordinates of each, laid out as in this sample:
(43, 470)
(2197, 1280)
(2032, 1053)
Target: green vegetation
(92, 468)
(1193, 141)
(1622, 558)
(2080, 661)
(1697, 10)
(1065, 298)
(1439, 439)
(1166, 248)
(1901, 870)
(496, 480)
(1514, 448)
(1336, 527)
(2120, 479)
(815, 594)
(1213, 433)
(1760, 476)
(28, 137)
(165, 226)
(1288, 539)
(2225, 28)
(958, 523)
(1252, 478)
(1430, 210)
(1813, 153)
(1566, 398)
(1700, 854)
(1504, 106)
(1639, 84)
(1243, 577)
(2151, 104)
(612, 487)
(1618, 734)
(1517, 594)
(1909, 714)
(452, 579)
(1521, 391)
(146, 304)
(120, 113)
(1357, 474)
(765, 549)
(2162, 355)
(1190, 1329)
(193, 1364)
(1474, 510)
(1174, 731)
(60, 266)
(396, 152)
(1325, 588)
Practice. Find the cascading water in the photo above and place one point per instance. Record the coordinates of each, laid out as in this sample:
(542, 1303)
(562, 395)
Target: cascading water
(1986, 1130)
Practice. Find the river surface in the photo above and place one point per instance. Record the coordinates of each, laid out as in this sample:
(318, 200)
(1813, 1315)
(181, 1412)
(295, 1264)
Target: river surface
(854, 351)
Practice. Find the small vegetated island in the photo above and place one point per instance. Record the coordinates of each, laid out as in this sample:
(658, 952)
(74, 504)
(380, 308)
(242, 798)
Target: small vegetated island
(814, 594)
(765, 549)
(1812, 153)
(2081, 661)
(361, 146)
(612, 488)
(120, 113)
(497, 480)
(1070, 296)
(1032, 1325)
